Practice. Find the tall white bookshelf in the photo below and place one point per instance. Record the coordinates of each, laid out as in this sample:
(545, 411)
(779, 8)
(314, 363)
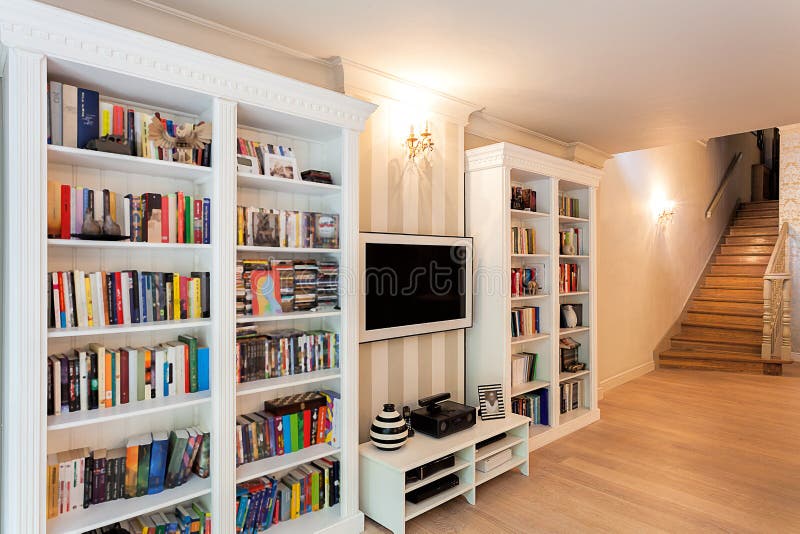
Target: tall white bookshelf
(41, 43)
(491, 171)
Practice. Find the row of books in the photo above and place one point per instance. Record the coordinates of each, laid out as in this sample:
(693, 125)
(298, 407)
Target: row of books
(77, 116)
(534, 405)
(572, 395)
(284, 353)
(147, 465)
(568, 206)
(523, 198)
(523, 368)
(288, 424)
(524, 321)
(568, 277)
(264, 227)
(76, 211)
(571, 241)
(268, 287)
(529, 280)
(267, 501)
(81, 299)
(98, 377)
(188, 518)
(523, 240)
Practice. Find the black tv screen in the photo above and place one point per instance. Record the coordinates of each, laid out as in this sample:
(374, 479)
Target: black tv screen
(412, 284)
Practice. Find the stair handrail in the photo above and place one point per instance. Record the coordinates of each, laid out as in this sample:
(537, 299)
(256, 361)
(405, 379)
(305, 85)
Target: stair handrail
(776, 335)
(723, 184)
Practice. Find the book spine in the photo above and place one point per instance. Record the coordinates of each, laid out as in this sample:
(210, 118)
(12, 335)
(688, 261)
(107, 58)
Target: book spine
(206, 220)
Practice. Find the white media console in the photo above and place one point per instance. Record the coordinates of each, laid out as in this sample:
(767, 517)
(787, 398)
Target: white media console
(382, 474)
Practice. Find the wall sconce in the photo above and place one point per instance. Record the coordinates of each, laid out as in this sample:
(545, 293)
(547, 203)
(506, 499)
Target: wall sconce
(419, 146)
(666, 211)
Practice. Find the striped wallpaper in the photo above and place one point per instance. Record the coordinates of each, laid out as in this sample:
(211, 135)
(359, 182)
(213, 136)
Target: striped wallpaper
(397, 196)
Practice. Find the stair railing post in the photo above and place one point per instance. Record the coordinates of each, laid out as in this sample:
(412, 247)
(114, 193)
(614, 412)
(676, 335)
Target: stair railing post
(766, 337)
(786, 342)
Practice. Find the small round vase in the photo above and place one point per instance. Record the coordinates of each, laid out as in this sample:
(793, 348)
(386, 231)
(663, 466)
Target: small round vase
(388, 431)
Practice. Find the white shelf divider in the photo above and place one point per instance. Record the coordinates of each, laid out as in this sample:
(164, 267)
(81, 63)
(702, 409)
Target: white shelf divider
(155, 326)
(283, 462)
(129, 164)
(527, 387)
(287, 250)
(122, 411)
(100, 515)
(283, 185)
(283, 382)
(291, 316)
(125, 245)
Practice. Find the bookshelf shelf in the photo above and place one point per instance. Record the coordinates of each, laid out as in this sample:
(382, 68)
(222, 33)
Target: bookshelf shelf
(129, 164)
(274, 464)
(287, 316)
(481, 477)
(282, 185)
(282, 382)
(529, 297)
(527, 339)
(570, 331)
(157, 326)
(287, 250)
(124, 245)
(563, 377)
(99, 515)
(134, 409)
(497, 446)
(491, 174)
(311, 522)
(563, 219)
(573, 415)
(527, 387)
(459, 465)
(413, 510)
(524, 214)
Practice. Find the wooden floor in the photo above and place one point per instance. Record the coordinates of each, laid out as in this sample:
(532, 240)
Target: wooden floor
(674, 451)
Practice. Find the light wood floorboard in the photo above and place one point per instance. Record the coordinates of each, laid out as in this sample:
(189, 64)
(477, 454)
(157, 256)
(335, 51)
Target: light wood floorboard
(674, 451)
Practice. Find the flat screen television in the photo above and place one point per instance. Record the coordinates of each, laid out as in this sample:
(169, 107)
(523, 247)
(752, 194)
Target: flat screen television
(414, 284)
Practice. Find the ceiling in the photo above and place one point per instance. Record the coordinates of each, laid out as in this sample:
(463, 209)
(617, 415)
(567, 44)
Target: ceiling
(619, 74)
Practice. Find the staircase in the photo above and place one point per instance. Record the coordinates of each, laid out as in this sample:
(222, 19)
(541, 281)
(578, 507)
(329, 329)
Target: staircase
(723, 327)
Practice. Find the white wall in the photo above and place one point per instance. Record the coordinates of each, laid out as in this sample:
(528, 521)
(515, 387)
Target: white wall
(646, 272)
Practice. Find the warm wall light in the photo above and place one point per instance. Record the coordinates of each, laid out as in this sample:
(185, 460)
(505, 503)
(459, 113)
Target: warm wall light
(421, 146)
(666, 211)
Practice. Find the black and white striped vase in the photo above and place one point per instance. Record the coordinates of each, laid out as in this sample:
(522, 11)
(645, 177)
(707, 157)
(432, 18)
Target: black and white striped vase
(388, 431)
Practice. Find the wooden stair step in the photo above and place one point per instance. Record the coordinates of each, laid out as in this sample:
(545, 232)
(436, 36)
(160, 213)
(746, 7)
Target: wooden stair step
(757, 214)
(720, 355)
(759, 203)
(751, 240)
(738, 269)
(753, 308)
(687, 342)
(752, 230)
(725, 322)
(740, 259)
(735, 294)
(757, 221)
(728, 281)
(721, 335)
(746, 250)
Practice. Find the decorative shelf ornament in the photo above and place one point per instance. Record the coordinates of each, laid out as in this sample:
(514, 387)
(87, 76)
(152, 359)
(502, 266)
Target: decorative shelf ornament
(389, 430)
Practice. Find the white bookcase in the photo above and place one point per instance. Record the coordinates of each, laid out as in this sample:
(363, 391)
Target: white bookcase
(40, 43)
(491, 171)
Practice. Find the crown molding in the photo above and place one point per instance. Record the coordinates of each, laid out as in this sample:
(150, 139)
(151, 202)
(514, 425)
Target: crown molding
(355, 78)
(495, 129)
(56, 32)
(210, 24)
(530, 160)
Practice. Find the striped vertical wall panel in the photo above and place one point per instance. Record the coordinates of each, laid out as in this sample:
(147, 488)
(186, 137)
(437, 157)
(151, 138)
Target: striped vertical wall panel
(399, 196)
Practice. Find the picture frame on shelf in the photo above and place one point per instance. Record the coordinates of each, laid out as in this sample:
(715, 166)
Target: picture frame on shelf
(280, 162)
(571, 315)
(490, 399)
(247, 164)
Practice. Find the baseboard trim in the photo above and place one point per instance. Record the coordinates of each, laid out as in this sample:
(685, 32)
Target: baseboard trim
(626, 376)
(560, 431)
(795, 356)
